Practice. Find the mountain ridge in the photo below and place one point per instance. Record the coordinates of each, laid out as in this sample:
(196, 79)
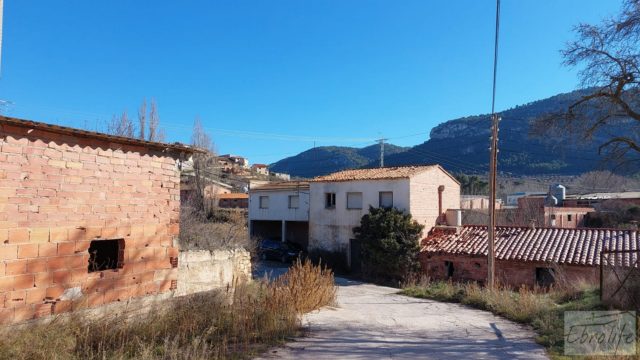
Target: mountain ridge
(462, 145)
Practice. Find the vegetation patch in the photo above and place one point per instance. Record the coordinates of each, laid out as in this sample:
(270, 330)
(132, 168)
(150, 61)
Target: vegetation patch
(389, 241)
(211, 325)
(543, 309)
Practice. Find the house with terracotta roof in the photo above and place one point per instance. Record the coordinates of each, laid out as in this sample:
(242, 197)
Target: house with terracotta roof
(280, 210)
(339, 200)
(524, 255)
(260, 169)
(233, 201)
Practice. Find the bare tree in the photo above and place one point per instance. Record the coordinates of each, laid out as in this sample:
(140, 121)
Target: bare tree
(204, 167)
(142, 119)
(155, 133)
(121, 126)
(603, 181)
(609, 57)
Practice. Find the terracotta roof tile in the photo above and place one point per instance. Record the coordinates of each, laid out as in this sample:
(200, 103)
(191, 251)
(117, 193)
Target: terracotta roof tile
(556, 245)
(401, 172)
(233, 196)
(283, 185)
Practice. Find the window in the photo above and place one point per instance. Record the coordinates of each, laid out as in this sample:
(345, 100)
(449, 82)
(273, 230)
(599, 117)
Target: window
(264, 202)
(330, 200)
(448, 266)
(545, 276)
(106, 255)
(294, 201)
(569, 217)
(354, 200)
(386, 199)
(553, 216)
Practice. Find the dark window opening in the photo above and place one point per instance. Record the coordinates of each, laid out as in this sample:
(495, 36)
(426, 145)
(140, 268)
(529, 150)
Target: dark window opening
(330, 200)
(569, 217)
(448, 265)
(106, 255)
(545, 276)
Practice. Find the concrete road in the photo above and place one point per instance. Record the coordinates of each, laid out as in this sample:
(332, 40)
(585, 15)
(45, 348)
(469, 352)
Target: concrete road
(373, 322)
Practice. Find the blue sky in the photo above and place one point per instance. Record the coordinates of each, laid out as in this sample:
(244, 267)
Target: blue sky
(269, 77)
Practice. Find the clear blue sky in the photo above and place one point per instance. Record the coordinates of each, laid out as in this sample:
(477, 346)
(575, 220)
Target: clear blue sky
(267, 77)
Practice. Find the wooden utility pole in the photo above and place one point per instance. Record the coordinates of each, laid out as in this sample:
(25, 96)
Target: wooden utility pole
(493, 164)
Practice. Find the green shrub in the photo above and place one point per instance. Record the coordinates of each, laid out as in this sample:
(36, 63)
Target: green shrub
(389, 241)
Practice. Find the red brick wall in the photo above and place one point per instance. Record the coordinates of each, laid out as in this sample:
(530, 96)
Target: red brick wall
(57, 193)
(510, 273)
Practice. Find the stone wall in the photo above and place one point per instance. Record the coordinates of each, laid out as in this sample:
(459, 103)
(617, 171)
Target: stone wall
(204, 270)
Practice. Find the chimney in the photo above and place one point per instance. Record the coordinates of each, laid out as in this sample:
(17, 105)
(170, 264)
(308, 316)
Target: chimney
(440, 191)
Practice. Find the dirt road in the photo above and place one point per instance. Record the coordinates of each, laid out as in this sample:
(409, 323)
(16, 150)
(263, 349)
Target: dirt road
(373, 322)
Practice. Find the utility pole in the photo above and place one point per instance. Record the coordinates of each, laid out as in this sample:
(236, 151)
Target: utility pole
(381, 141)
(493, 163)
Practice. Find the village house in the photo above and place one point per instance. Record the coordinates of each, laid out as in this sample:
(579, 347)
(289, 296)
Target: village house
(524, 255)
(551, 210)
(87, 218)
(260, 169)
(235, 160)
(212, 190)
(594, 199)
(339, 200)
(233, 201)
(280, 211)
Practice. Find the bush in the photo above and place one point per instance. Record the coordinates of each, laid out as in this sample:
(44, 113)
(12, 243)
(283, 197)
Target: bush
(307, 287)
(389, 241)
(211, 325)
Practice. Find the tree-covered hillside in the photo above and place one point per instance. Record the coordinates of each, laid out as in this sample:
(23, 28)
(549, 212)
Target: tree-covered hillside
(327, 159)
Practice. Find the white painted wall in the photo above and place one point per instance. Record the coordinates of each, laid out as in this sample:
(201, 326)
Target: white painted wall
(331, 229)
(279, 205)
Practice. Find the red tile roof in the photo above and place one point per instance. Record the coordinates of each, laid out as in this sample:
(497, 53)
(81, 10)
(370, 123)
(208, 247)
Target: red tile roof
(233, 196)
(282, 185)
(400, 172)
(555, 245)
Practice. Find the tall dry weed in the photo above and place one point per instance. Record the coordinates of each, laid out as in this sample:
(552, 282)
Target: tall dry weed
(211, 325)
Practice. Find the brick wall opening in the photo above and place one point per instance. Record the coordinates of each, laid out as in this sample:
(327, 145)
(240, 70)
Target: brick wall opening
(545, 276)
(448, 265)
(106, 255)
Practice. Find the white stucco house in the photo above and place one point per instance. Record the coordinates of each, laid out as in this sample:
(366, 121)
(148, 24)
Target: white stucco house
(280, 211)
(339, 200)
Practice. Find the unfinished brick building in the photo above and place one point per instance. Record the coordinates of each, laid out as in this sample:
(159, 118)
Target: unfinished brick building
(524, 255)
(85, 218)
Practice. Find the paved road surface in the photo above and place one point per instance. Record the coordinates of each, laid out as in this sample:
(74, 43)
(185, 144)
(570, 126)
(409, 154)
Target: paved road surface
(373, 322)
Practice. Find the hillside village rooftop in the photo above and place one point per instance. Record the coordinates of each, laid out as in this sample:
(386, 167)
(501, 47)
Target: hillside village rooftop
(386, 173)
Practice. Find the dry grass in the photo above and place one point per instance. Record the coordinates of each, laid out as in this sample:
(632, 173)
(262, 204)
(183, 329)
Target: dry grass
(308, 287)
(214, 229)
(211, 325)
(543, 309)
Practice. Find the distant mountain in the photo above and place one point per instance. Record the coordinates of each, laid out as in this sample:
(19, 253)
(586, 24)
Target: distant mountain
(462, 145)
(327, 159)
